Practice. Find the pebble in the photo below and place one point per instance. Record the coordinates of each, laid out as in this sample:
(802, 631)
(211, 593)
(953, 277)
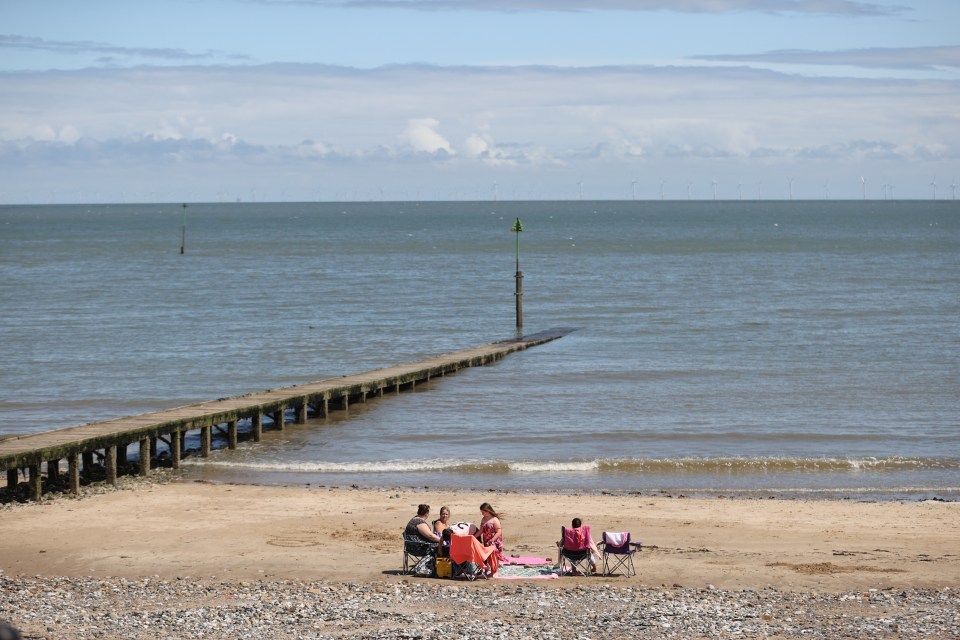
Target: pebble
(212, 609)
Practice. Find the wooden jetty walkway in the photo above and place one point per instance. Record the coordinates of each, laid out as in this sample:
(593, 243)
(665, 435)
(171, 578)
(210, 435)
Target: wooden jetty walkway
(108, 441)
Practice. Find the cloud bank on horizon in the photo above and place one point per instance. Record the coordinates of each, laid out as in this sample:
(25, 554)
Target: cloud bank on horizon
(410, 99)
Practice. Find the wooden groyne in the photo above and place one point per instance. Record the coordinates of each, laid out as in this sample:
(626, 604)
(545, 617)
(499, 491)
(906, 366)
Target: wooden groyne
(101, 447)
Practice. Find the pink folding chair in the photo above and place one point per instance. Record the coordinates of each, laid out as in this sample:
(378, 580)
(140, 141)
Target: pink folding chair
(575, 550)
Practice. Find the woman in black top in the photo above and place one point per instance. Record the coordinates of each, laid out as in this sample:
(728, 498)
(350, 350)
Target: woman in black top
(418, 528)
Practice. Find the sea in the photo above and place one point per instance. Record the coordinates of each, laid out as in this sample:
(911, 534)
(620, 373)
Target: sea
(719, 348)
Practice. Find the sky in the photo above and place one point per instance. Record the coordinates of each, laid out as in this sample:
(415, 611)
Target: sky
(366, 100)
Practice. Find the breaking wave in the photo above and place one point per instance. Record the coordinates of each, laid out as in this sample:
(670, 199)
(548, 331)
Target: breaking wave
(679, 466)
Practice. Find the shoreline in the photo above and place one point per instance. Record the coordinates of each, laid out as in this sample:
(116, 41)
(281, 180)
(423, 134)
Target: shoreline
(859, 495)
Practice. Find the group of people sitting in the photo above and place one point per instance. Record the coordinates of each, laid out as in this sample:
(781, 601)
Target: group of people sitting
(578, 553)
(489, 533)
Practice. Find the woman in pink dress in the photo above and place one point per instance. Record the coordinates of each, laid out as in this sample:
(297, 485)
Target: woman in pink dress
(491, 534)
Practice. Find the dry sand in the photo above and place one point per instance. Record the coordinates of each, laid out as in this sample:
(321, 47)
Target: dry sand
(253, 532)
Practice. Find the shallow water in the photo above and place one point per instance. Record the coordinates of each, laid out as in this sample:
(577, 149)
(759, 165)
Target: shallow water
(806, 347)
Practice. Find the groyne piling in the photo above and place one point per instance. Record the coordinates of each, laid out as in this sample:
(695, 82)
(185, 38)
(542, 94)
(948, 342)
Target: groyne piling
(99, 449)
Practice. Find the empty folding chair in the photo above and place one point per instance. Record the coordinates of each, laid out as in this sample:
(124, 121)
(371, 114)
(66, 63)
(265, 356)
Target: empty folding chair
(618, 553)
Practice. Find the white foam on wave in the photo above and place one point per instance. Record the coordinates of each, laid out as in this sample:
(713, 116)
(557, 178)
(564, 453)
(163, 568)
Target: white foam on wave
(408, 466)
(389, 466)
(629, 465)
(554, 466)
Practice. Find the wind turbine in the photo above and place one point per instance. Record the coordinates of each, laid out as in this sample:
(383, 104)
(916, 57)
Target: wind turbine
(953, 188)
(740, 189)
(633, 188)
(689, 186)
(580, 185)
(790, 187)
(714, 189)
(494, 191)
(661, 189)
(759, 188)
(826, 190)
(934, 185)
(863, 185)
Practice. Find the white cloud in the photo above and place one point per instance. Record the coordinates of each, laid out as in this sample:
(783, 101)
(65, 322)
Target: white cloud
(291, 123)
(164, 131)
(66, 134)
(476, 146)
(109, 51)
(422, 136)
(878, 57)
(840, 7)
(481, 147)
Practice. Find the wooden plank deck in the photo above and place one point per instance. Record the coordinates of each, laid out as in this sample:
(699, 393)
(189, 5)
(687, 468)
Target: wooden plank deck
(113, 436)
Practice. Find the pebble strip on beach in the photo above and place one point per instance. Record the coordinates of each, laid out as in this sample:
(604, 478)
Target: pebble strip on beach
(410, 608)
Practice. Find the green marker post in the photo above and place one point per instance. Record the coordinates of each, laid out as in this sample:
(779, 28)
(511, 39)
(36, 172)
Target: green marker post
(518, 228)
(183, 230)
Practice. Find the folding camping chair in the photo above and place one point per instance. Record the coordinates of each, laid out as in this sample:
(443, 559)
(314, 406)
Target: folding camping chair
(419, 556)
(471, 560)
(618, 553)
(575, 550)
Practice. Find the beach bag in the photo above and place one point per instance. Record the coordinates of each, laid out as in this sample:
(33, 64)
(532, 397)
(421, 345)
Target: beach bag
(426, 567)
(443, 567)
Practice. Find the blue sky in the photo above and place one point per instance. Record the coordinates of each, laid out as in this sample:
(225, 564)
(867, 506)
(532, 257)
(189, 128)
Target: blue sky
(224, 100)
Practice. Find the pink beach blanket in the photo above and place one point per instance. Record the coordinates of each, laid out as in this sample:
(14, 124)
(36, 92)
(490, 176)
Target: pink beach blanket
(530, 560)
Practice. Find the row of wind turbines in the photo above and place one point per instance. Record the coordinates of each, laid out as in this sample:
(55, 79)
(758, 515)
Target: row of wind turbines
(953, 188)
(886, 190)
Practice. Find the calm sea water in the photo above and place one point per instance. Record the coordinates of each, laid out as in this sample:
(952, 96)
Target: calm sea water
(721, 347)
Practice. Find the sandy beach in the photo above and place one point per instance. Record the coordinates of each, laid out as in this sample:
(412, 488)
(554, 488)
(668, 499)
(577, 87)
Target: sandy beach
(179, 532)
(249, 532)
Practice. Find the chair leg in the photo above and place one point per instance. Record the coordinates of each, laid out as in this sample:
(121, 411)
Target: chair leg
(614, 562)
(581, 565)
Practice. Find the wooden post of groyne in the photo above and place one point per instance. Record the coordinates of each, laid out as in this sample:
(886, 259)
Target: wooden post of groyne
(73, 468)
(257, 425)
(108, 440)
(175, 449)
(145, 456)
(110, 465)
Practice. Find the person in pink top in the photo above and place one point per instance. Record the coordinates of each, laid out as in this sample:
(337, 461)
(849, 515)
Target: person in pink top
(584, 540)
(491, 533)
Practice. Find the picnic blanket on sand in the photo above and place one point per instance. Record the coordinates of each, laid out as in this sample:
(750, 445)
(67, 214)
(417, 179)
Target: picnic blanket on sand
(526, 568)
